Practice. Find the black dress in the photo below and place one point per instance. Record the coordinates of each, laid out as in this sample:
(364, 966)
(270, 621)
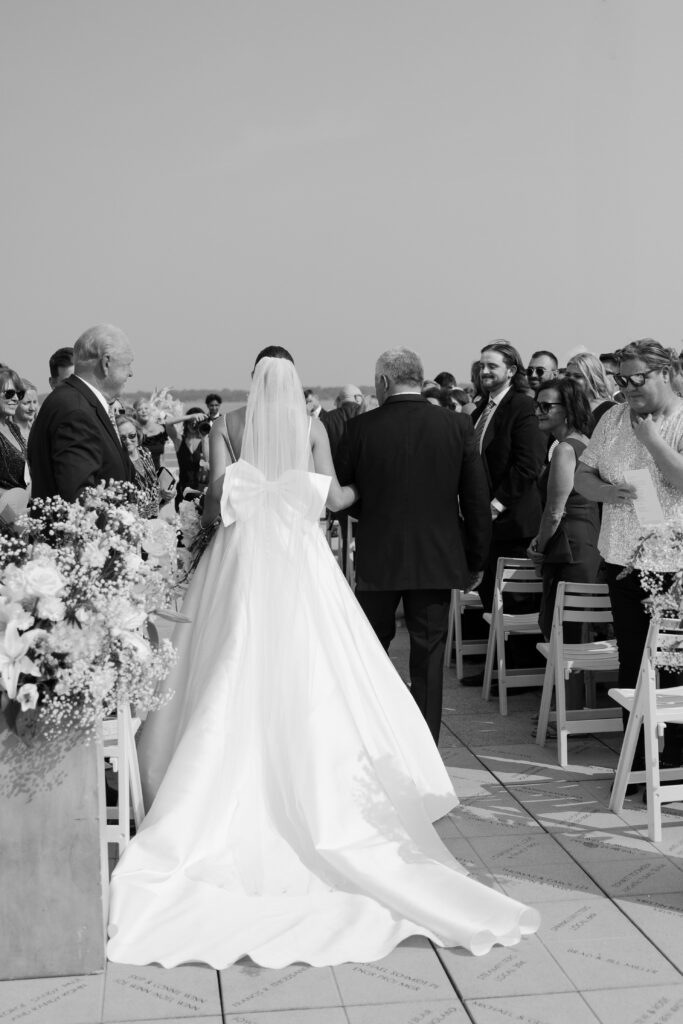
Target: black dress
(190, 471)
(12, 460)
(155, 444)
(572, 553)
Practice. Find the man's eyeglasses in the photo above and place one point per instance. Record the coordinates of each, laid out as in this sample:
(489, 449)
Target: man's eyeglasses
(545, 407)
(636, 380)
(11, 393)
(537, 371)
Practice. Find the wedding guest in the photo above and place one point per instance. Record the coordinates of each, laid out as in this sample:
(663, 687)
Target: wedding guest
(213, 404)
(14, 478)
(542, 368)
(155, 435)
(369, 403)
(445, 380)
(349, 401)
(566, 545)
(313, 406)
(27, 408)
(677, 375)
(610, 362)
(644, 433)
(73, 442)
(151, 496)
(61, 366)
(193, 466)
(589, 373)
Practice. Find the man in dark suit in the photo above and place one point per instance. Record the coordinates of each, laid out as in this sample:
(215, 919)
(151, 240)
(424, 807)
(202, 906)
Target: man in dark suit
(514, 452)
(418, 472)
(74, 442)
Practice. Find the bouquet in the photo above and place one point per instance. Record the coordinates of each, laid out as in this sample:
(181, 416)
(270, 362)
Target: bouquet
(164, 406)
(76, 597)
(658, 549)
(194, 537)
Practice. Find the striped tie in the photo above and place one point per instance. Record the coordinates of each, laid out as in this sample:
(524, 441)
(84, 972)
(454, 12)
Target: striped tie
(112, 417)
(480, 425)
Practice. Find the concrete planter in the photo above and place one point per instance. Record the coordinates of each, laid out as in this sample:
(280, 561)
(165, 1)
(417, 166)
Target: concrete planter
(53, 858)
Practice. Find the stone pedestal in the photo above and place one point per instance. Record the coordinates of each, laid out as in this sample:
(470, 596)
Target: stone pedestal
(53, 858)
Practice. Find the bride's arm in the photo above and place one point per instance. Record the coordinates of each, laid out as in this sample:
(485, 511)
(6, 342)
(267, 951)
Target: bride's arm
(338, 497)
(219, 456)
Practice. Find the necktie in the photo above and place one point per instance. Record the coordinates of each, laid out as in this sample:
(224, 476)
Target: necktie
(480, 425)
(112, 417)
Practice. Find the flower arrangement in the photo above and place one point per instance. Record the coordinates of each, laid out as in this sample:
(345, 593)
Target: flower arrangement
(76, 596)
(658, 559)
(195, 538)
(164, 406)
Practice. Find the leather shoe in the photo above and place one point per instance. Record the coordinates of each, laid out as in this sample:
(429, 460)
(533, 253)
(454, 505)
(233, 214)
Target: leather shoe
(474, 680)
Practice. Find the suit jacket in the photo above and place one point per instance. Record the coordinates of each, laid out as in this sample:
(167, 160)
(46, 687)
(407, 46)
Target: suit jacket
(418, 471)
(335, 423)
(514, 451)
(73, 444)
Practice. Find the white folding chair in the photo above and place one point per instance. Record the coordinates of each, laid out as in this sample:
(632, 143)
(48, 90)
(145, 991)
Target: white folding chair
(585, 603)
(652, 708)
(513, 576)
(462, 601)
(118, 736)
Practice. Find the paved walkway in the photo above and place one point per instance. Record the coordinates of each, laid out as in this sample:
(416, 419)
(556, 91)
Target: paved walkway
(609, 949)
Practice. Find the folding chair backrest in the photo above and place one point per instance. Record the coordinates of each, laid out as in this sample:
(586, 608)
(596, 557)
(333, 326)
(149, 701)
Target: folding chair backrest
(583, 602)
(517, 575)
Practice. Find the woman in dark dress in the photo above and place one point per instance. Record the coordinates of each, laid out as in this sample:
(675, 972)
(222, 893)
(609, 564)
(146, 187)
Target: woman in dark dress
(566, 546)
(14, 478)
(192, 454)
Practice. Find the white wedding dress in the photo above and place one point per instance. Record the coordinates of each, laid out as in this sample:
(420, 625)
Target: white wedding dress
(298, 780)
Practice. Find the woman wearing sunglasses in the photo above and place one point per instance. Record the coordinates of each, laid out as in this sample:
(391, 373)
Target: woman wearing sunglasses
(14, 476)
(151, 496)
(644, 433)
(566, 546)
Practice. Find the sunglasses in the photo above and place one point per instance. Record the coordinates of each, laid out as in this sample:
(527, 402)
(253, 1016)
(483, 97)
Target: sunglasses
(537, 371)
(636, 380)
(545, 407)
(128, 437)
(11, 393)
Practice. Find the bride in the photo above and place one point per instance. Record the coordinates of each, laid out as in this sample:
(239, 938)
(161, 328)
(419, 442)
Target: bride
(294, 779)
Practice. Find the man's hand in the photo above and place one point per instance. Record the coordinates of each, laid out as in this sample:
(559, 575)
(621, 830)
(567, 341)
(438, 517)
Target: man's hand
(622, 493)
(474, 580)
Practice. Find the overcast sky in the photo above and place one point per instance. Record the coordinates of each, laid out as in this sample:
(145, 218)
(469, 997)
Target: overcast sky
(338, 176)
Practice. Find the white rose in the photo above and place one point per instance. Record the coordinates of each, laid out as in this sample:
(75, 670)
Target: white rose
(132, 562)
(27, 695)
(102, 681)
(94, 555)
(51, 608)
(82, 615)
(125, 517)
(159, 537)
(42, 579)
(125, 615)
(11, 611)
(14, 583)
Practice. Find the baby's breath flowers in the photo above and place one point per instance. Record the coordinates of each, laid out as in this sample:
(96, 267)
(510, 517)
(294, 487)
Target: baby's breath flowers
(76, 596)
(658, 560)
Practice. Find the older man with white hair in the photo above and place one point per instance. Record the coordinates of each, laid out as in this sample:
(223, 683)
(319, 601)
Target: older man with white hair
(424, 521)
(74, 442)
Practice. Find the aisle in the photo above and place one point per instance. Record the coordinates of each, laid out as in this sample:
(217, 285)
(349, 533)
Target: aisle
(609, 947)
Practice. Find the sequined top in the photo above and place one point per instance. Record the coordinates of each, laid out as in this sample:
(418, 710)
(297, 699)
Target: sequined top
(12, 459)
(612, 450)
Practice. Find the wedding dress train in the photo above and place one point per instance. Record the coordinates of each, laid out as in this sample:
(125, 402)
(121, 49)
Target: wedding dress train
(298, 780)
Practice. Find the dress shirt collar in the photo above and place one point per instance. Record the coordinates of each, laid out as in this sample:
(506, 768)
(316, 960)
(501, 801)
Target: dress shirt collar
(497, 399)
(98, 394)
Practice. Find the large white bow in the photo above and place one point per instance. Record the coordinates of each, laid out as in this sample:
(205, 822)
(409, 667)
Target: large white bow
(296, 492)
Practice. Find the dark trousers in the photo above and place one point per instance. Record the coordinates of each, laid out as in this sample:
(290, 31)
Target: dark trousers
(426, 613)
(631, 623)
